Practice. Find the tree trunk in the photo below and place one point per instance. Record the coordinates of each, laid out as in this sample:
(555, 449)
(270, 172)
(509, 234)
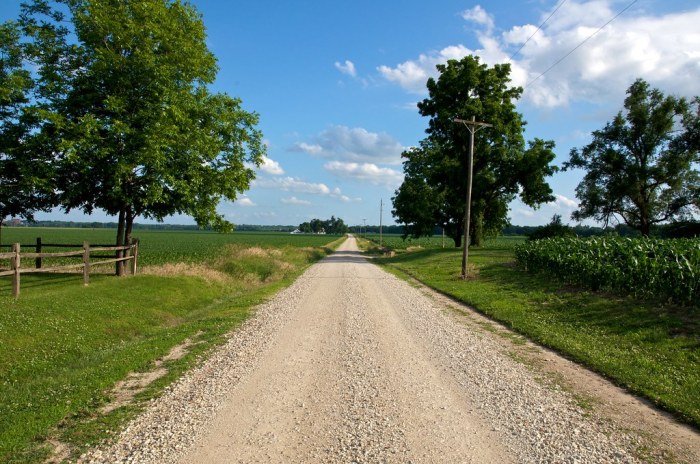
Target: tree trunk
(120, 241)
(129, 226)
(457, 237)
(645, 228)
(477, 232)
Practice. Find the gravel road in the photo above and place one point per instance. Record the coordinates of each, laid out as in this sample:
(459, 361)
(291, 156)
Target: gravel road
(350, 364)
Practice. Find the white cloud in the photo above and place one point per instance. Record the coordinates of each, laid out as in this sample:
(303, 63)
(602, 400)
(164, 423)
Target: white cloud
(412, 75)
(348, 67)
(353, 144)
(365, 172)
(479, 16)
(665, 50)
(271, 167)
(564, 202)
(294, 201)
(244, 201)
(292, 184)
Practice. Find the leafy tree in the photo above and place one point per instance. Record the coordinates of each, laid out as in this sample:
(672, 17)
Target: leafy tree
(25, 179)
(434, 188)
(139, 133)
(333, 226)
(642, 166)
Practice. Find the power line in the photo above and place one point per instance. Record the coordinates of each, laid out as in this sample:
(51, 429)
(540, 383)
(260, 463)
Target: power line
(537, 30)
(579, 45)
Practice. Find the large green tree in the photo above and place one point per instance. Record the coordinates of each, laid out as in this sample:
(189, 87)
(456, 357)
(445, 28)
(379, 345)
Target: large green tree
(643, 166)
(434, 188)
(25, 175)
(138, 131)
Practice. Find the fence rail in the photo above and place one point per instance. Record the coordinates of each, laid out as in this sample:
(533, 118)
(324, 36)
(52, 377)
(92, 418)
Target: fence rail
(123, 254)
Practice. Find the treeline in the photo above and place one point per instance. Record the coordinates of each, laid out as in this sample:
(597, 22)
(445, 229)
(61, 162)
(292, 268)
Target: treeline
(391, 230)
(681, 229)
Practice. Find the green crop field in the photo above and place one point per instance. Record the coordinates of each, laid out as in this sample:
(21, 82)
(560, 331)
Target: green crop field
(64, 345)
(646, 268)
(397, 243)
(160, 246)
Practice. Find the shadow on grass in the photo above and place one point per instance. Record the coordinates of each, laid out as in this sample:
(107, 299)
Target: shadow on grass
(605, 312)
(43, 281)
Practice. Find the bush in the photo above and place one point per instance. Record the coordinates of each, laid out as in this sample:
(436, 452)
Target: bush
(553, 229)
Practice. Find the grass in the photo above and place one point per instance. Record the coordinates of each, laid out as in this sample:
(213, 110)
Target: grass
(652, 350)
(63, 346)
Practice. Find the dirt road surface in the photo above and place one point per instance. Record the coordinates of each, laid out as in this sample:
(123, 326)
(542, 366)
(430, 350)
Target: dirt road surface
(351, 364)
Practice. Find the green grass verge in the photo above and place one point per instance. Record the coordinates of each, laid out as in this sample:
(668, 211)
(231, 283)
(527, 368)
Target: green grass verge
(650, 349)
(63, 346)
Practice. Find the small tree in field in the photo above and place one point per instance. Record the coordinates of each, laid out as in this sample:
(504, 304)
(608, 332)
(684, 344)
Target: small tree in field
(642, 166)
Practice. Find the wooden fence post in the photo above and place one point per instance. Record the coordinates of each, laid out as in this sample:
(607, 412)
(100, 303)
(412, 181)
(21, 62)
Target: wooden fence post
(38, 250)
(15, 267)
(86, 263)
(134, 255)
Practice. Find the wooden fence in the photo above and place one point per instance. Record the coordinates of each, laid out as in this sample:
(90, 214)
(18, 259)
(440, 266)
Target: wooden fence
(16, 256)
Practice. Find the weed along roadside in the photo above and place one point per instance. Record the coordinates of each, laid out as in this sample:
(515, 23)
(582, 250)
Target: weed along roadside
(649, 347)
(65, 348)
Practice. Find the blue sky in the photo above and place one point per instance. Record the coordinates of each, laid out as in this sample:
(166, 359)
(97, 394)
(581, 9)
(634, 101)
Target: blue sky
(336, 86)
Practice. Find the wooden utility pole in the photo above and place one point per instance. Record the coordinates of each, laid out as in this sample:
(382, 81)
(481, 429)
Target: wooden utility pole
(381, 210)
(473, 127)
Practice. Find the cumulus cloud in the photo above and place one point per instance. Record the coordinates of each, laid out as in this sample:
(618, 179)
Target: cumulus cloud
(365, 172)
(292, 184)
(479, 16)
(244, 201)
(270, 166)
(294, 201)
(665, 50)
(348, 67)
(353, 144)
(564, 202)
(412, 75)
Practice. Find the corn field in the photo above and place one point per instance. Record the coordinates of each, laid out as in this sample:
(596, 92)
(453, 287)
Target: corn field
(646, 268)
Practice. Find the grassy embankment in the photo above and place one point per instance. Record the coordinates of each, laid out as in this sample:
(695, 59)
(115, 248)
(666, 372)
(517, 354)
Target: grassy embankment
(650, 347)
(64, 346)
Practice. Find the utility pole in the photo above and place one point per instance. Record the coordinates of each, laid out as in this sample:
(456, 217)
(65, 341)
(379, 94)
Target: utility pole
(473, 127)
(364, 221)
(381, 210)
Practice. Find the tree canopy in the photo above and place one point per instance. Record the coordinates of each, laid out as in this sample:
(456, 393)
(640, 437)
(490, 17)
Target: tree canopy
(643, 166)
(137, 131)
(434, 188)
(25, 177)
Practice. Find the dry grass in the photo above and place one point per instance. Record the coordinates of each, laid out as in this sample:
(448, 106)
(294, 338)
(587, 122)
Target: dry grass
(232, 264)
(184, 269)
